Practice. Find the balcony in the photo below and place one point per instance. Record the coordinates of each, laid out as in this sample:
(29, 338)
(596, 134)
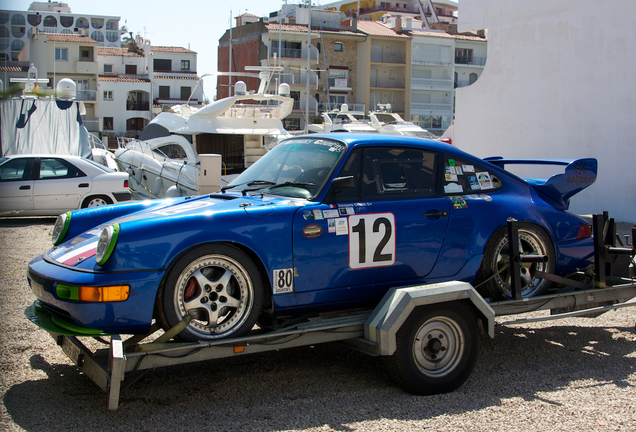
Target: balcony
(137, 106)
(470, 61)
(299, 78)
(302, 105)
(388, 58)
(86, 95)
(397, 83)
(134, 76)
(91, 125)
(430, 107)
(324, 107)
(431, 84)
(293, 53)
(86, 67)
(339, 84)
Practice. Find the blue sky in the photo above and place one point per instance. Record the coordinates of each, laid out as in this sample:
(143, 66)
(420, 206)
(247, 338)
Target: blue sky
(196, 23)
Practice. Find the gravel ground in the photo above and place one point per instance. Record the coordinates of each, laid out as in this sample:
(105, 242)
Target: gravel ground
(574, 374)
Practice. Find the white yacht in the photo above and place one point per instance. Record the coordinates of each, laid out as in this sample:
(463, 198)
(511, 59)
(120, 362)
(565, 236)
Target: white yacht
(385, 121)
(187, 153)
(343, 120)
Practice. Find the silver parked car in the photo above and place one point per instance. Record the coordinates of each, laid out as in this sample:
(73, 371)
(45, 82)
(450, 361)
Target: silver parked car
(42, 185)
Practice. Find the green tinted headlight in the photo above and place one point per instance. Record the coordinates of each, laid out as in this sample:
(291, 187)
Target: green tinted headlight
(106, 243)
(61, 227)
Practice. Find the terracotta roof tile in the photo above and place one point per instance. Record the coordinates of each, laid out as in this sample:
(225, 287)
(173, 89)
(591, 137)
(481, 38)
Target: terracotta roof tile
(73, 38)
(115, 78)
(374, 28)
(446, 35)
(4, 68)
(299, 28)
(171, 49)
(194, 78)
(116, 52)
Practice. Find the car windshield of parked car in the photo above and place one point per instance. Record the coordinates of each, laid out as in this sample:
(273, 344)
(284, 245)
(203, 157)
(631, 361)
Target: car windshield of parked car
(295, 168)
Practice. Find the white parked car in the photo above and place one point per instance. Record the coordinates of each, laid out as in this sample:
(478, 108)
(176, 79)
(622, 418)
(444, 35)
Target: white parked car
(42, 185)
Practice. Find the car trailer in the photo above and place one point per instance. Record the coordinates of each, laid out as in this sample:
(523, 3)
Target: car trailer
(429, 332)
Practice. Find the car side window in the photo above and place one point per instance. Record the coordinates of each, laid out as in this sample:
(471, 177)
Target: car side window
(388, 173)
(53, 168)
(16, 169)
(462, 176)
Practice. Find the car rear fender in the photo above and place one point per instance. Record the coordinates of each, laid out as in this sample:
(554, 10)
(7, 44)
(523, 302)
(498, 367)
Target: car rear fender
(578, 175)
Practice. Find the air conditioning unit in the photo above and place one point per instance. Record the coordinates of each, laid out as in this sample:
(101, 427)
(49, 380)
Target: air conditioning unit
(321, 88)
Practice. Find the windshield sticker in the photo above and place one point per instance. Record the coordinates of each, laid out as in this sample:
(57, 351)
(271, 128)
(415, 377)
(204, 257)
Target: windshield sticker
(318, 215)
(183, 208)
(458, 202)
(453, 187)
(283, 281)
(468, 168)
(450, 177)
(342, 228)
(450, 170)
(484, 180)
(458, 170)
(474, 183)
(451, 162)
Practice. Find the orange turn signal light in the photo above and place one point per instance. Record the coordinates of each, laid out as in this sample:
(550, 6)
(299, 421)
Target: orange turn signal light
(104, 294)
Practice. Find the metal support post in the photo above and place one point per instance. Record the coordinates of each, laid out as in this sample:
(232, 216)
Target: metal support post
(515, 262)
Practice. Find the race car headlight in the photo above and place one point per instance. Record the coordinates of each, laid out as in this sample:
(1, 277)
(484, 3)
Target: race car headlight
(61, 227)
(106, 243)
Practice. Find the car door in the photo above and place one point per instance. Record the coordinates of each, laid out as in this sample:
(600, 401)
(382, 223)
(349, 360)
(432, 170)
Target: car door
(16, 184)
(60, 185)
(388, 229)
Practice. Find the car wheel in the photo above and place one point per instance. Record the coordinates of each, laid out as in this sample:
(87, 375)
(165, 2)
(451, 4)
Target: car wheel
(219, 286)
(495, 270)
(97, 200)
(436, 349)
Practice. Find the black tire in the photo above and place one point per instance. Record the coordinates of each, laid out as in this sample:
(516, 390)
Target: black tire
(532, 241)
(96, 201)
(436, 349)
(219, 285)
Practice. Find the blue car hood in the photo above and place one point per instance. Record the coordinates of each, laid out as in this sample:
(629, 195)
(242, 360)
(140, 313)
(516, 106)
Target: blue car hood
(84, 246)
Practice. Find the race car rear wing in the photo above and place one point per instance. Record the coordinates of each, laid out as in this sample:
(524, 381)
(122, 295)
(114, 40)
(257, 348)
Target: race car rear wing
(579, 174)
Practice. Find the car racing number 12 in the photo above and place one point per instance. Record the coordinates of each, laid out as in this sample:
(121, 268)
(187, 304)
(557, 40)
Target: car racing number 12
(371, 240)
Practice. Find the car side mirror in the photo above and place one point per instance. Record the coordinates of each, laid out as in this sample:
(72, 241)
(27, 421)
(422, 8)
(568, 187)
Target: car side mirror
(343, 183)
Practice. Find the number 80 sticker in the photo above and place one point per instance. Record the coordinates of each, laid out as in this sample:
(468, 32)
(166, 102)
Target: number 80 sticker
(283, 281)
(371, 240)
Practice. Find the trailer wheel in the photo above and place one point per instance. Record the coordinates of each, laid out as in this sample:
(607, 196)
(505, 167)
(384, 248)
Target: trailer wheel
(436, 349)
(219, 286)
(532, 241)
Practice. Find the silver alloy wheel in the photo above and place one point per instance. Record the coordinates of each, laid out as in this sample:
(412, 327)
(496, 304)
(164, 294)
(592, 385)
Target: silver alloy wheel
(217, 291)
(96, 202)
(438, 346)
(529, 244)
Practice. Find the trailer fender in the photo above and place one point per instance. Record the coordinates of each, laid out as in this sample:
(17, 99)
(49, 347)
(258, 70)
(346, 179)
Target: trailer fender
(383, 324)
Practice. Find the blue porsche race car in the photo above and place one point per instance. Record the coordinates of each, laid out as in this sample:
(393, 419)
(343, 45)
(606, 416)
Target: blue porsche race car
(321, 223)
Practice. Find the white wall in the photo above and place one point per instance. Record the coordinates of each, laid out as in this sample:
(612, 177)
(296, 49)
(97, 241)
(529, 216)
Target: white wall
(559, 82)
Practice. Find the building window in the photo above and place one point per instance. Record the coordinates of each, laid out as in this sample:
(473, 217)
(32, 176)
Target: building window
(185, 65)
(162, 65)
(108, 95)
(164, 92)
(108, 68)
(131, 69)
(337, 46)
(463, 56)
(185, 93)
(61, 54)
(108, 123)
(86, 54)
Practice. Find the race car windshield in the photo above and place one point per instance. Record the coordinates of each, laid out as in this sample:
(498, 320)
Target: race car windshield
(295, 168)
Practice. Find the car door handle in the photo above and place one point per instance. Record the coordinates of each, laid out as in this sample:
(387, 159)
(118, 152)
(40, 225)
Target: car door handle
(83, 185)
(435, 213)
(25, 187)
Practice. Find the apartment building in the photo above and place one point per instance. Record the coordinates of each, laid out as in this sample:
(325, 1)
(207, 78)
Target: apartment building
(58, 56)
(54, 17)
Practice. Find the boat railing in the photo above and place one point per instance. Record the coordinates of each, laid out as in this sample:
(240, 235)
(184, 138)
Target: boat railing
(251, 111)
